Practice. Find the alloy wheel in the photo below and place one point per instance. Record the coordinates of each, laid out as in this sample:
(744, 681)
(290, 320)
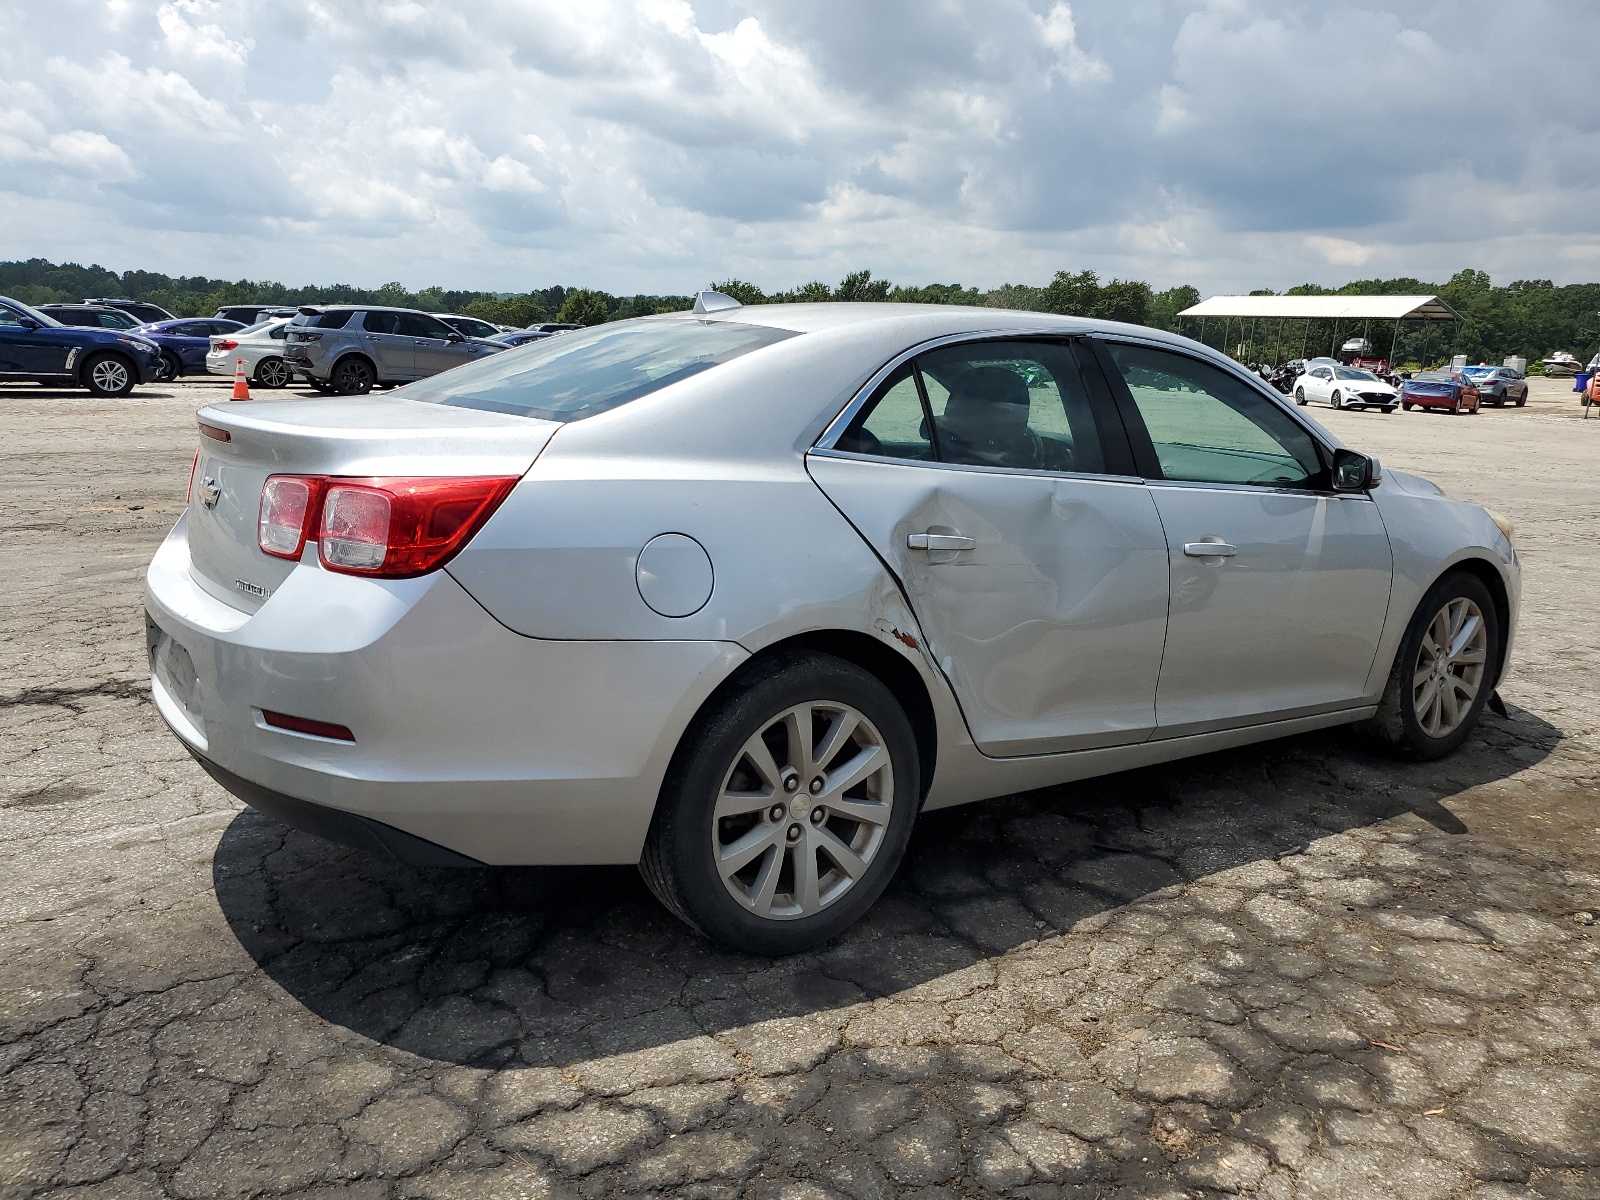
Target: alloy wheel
(802, 810)
(1449, 667)
(109, 375)
(274, 373)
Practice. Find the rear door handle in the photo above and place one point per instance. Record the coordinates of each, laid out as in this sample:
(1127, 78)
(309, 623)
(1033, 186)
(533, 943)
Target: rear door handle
(1210, 549)
(939, 541)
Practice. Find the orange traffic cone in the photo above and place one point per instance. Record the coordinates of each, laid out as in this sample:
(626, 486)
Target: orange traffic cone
(241, 389)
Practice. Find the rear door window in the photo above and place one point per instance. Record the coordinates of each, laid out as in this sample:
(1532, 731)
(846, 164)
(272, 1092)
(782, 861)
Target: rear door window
(381, 322)
(1010, 404)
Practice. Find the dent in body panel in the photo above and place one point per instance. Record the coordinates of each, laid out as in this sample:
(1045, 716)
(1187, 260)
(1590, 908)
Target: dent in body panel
(1050, 628)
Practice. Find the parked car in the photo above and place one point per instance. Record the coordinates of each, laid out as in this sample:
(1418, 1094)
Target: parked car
(472, 327)
(737, 594)
(260, 347)
(35, 347)
(1496, 385)
(1450, 390)
(253, 314)
(1344, 387)
(90, 316)
(521, 337)
(350, 348)
(185, 342)
(553, 327)
(141, 311)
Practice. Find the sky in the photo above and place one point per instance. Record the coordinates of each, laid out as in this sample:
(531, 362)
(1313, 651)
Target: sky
(659, 145)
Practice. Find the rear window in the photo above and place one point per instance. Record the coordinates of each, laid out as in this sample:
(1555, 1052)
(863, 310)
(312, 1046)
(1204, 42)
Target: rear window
(1434, 376)
(326, 320)
(580, 374)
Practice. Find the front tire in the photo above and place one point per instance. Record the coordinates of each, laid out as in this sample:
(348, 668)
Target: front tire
(1405, 406)
(1300, 396)
(353, 376)
(273, 373)
(1444, 672)
(738, 849)
(108, 375)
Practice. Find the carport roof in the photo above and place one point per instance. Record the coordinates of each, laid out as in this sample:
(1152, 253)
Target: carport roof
(1375, 308)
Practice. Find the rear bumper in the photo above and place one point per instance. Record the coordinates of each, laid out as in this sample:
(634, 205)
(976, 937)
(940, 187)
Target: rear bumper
(493, 746)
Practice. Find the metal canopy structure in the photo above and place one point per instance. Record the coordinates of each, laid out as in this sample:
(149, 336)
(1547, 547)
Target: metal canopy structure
(1345, 313)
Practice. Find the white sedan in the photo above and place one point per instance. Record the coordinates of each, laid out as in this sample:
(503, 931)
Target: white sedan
(1339, 386)
(261, 348)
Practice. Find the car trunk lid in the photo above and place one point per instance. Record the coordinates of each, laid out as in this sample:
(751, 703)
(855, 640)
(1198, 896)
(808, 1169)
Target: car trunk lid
(241, 445)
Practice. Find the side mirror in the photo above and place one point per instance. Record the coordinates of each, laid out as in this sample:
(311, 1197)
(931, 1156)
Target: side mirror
(28, 322)
(455, 337)
(1353, 472)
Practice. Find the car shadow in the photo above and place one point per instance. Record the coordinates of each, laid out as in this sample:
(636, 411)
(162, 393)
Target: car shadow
(546, 966)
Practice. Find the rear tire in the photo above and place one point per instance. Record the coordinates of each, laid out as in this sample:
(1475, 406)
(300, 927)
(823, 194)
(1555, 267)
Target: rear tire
(108, 375)
(737, 790)
(353, 376)
(1407, 407)
(273, 373)
(1451, 693)
(169, 369)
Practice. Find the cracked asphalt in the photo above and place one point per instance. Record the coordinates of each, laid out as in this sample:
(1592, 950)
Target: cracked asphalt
(1296, 970)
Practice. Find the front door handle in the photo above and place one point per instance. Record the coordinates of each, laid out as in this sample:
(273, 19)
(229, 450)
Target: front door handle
(939, 541)
(1210, 547)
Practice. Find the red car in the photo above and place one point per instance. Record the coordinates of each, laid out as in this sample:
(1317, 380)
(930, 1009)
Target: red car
(1440, 389)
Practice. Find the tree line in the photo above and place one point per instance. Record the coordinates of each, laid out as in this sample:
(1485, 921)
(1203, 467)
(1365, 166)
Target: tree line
(1527, 317)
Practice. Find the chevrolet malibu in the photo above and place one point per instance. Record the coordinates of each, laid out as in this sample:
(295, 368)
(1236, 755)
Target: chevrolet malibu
(736, 594)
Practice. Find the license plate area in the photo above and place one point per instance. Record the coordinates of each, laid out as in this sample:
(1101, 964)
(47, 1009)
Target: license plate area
(173, 669)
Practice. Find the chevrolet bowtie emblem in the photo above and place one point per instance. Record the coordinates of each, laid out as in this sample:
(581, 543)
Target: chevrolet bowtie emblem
(210, 492)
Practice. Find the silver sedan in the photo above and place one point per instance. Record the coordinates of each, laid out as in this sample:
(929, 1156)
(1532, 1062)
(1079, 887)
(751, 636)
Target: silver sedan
(735, 594)
(260, 348)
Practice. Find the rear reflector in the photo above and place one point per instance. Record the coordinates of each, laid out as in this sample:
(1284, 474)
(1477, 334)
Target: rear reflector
(322, 729)
(216, 434)
(288, 509)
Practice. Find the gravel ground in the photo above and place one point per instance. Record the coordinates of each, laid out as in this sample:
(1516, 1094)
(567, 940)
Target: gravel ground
(1295, 970)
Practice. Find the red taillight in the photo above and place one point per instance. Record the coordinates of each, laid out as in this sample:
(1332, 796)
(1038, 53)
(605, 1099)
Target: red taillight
(396, 528)
(225, 344)
(193, 467)
(388, 527)
(288, 511)
(323, 729)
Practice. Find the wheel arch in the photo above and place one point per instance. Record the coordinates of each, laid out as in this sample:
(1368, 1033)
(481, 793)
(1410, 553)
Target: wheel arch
(347, 355)
(862, 650)
(1489, 575)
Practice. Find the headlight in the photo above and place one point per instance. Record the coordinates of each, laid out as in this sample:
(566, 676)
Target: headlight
(1506, 527)
(147, 347)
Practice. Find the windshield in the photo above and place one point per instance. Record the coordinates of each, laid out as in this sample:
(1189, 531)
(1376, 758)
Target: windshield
(29, 311)
(1354, 373)
(578, 375)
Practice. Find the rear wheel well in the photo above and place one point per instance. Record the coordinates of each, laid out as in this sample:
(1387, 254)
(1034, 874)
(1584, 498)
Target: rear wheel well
(888, 667)
(1490, 577)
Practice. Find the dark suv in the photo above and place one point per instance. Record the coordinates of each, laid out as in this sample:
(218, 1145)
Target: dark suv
(252, 314)
(138, 309)
(90, 316)
(349, 348)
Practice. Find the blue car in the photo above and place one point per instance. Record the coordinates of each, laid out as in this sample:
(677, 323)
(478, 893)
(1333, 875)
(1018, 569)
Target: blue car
(37, 348)
(185, 342)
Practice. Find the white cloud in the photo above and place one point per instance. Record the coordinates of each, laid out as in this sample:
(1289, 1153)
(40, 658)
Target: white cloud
(658, 144)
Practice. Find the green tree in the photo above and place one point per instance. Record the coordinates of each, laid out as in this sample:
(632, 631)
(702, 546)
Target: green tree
(807, 293)
(585, 306)
(861, 286)
(1165, 306)
(744, 293)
